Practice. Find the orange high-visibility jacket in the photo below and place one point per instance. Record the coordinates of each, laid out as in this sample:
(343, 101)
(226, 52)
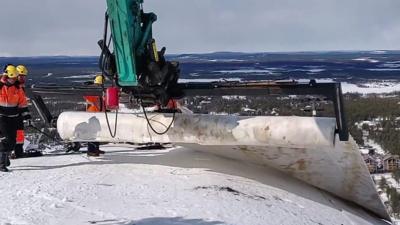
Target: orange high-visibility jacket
(12, 101)
(94, 103)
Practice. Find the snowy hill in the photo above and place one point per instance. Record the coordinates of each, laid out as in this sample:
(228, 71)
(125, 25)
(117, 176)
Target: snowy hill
(169, 187)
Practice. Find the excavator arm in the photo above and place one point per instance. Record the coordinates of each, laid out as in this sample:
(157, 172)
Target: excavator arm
(135, 64)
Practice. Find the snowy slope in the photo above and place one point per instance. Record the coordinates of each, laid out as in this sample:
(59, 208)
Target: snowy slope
(172, 187)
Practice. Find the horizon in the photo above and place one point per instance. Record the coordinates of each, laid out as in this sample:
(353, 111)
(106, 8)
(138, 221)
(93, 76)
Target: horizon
(232, 52)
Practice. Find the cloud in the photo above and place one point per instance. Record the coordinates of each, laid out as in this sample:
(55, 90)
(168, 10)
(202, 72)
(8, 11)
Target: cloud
(72, 27)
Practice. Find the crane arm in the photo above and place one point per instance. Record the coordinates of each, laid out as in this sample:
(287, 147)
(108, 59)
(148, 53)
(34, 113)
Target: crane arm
(135, 64)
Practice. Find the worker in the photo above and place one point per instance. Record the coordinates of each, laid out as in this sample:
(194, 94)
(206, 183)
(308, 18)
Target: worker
(99, 80)
(22, 73)
(5, 68)
(12, 104)
(19, 150)
(95, 104)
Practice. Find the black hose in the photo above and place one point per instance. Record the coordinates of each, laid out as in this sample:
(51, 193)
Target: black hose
(151, 126)
(113, 135)
(104, 58)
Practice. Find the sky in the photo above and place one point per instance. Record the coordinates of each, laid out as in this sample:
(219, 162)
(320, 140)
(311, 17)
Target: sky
(73, 27)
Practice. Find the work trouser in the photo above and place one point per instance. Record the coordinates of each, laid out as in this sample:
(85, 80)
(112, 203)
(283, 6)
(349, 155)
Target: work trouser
(93, 146)
(8, 133)
(19, 147)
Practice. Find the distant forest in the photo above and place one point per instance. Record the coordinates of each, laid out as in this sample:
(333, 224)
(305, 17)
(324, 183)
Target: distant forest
(384, 111)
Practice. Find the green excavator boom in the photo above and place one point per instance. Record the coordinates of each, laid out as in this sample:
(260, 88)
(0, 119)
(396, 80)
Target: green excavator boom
(131, 33)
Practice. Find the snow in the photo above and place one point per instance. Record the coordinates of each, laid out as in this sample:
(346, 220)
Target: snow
(367, 122)
(234, 97)
(378, 52)
(247, 109)
(378, 149)
(86, 76)
(395, 64)
(383, 88)
(366, 88)
(366, 59)
(162, 187)
(364, 151)
(227, 60)
(384, 69)
(245, 71)
(316, 70)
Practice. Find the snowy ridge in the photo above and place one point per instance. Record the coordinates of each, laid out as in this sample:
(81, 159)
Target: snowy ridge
(163, 187)
(302, 147)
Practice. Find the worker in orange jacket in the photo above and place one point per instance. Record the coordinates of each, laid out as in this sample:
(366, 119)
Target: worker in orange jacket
(12, 104)
(19, 151)
(95, 104)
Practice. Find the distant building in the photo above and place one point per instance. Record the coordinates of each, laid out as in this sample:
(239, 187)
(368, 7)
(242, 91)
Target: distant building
(371, 162)
(377, 163)
(391, 163)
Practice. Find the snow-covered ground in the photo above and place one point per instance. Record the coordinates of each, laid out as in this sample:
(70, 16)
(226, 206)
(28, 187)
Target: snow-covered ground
(170, 187)
(372, 87)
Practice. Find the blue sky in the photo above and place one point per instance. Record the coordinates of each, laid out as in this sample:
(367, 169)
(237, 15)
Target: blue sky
(72, 27)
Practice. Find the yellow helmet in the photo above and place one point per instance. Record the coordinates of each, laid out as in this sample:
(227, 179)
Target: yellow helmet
(22, 70)
(11, 72)
(99, 80)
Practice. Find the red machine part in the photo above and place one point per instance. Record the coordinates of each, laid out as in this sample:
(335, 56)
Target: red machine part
(112, 98)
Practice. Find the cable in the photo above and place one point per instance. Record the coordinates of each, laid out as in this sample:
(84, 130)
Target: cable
(103, 63)
(106, 58)
(113, 135)
(153, 120)
(103, 48)
(151, 126)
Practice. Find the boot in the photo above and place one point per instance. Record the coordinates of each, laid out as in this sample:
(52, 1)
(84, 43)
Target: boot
(4, 161)
(100, 152)
(93, 149)
(18, 151)
(93, 154)
(13, 156)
